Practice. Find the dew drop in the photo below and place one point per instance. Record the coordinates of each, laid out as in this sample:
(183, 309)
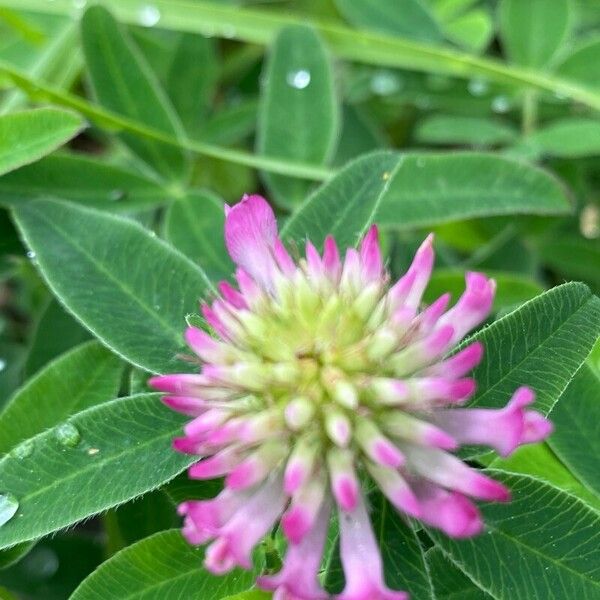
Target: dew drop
(478, 87)
(385, 83)
(500, 104)
(8, 508)
(116, 195)
(67, 435)
(23, 450)
(31, 255)
(149, 16)
(2, 364)
(299, 79)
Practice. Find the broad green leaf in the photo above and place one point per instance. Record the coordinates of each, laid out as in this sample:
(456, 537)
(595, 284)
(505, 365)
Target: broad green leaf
(156, 568)
(85, 180)
(449, 582)
(566, 138)
(55, 332)
(512, 289)
(126, 286)
(472, 30)
(84, 377)
(539, 461)
(574, 257)
(299, 112)
(406, 18)
(542, 344)
(582, 64)
(116, 451)
(533, 31)
(546, 539)
(29, 135)
(473, 131)
(194, 225)
(359, 135)
(191, 79)
(421, 190)
(576, 439)
(124, 83)
(232, 124)
(250, 595)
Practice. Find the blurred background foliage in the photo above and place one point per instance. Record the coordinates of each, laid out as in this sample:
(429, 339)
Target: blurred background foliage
(190, 104)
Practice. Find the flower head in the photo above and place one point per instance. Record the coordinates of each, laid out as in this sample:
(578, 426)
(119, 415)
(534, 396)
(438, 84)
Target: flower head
(317, 374)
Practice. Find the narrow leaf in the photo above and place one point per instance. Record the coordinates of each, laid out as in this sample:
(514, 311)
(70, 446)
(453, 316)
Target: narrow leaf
(533, 31)
(129, 288)
(124, 83)
(406, 18)
(299, 111)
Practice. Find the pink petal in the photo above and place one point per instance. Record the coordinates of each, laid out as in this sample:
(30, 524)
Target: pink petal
(370, 256)
(361, 559)
(250, 234)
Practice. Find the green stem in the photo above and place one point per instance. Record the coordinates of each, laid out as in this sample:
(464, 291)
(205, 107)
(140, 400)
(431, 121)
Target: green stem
(261, 26)
(112, 121)
(529, 117)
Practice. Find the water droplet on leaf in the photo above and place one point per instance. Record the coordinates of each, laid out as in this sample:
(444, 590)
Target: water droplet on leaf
(23, 450)
(116, 195)
(67, 435)
(149, 16)
(2, 364)
(500, 104)
(41, 563)
(299, 79)
(385, 83)
(8, 508)
(478, 87)
(31, 254)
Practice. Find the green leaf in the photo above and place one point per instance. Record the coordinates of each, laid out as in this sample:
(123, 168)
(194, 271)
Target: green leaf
(576, 438)
(129, 288)
(582, 64)
(29, 135)
(84, 377)
(542, 344)
(123, 451)
(473, 131)
(194, 225)
(566, 138)
(85, 180)
(411, 19)
(159, 567)
(55, 332)
(191, 79)
(549, 537)
(573, 257)
(449, 582)
(539, 461)
(533, 31)
(124, 83)
(512, 288)
(299, 111)
(473, 30)
(421, 190)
